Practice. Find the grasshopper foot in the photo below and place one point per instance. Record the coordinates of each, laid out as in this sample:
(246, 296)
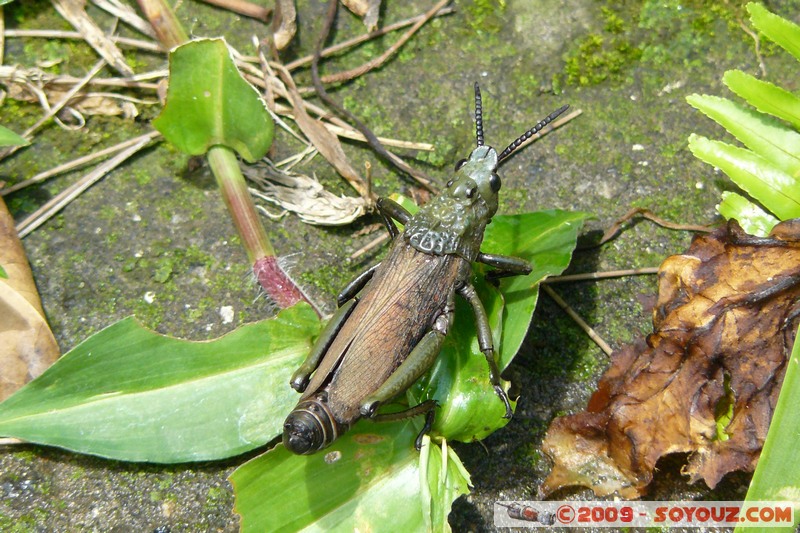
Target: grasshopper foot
(503, 396)
(426, 428)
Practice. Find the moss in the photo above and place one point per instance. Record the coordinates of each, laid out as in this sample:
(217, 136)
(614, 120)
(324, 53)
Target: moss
(599, 58)
(485, 16)
(18, 524)
(328, 278)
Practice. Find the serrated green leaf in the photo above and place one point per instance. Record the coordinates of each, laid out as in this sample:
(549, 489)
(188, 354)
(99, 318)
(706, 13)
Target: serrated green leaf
(780, 30)
(9, 138)
(765, 96)
(469, 409)
(209, 103)
(368, 480)
(776, 190)
(128, 393)
(777, 475)
(762, 134)
(751, 217)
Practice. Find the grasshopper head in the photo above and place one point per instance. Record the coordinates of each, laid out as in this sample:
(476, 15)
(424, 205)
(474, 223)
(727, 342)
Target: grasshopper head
(476, 180)
(477, 176)
(454, 221)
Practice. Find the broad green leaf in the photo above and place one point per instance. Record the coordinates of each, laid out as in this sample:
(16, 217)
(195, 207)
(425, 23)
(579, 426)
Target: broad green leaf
(761, 133)
(752, 218)
(368, 480)
(780, 30)
(777, 475)
(9, 138)
(546, 239)
(128, 393)
(776, 190)
(765, 96)
(469, 409)
(209, 103)
(443, 479)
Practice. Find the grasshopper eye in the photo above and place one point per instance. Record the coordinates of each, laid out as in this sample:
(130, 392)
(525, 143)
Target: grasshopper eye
(460, 164)
(471, 192)
(449, 184)
(494, 182)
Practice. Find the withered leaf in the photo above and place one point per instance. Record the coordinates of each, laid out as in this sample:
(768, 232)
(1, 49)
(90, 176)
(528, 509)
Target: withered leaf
(326, 143)
(75, 13)
(284, 23)
(369, 9)
(27, 347)
(723, 327)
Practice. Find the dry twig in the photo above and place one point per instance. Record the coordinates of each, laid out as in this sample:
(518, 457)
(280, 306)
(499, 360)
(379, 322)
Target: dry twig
(380, 60)
(41, 215)
(578, 320)
(242, 7)
(646, 213)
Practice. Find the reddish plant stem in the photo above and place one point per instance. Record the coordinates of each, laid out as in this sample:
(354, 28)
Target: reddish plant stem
(275, 282)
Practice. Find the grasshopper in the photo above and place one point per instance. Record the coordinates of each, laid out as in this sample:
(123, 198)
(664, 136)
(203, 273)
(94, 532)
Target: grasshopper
(393, 318)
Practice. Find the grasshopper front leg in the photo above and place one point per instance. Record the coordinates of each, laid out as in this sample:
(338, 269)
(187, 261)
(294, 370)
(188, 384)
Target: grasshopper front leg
(358, 283)
(389, 209)
(506, 265)
(485, 341)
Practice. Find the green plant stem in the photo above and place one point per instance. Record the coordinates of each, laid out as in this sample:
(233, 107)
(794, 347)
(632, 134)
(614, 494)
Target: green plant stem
(231, 182)
(168, 29)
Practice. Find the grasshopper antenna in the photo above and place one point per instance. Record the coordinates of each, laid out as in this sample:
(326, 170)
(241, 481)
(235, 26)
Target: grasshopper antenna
(478, 115)
(527, 135)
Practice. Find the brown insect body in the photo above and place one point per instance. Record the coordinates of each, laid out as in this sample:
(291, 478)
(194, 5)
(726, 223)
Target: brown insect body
(393, 319)
(399, 305)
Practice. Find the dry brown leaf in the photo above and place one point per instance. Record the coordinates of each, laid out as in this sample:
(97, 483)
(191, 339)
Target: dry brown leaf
(304, 196)
(284, 23)
(27, 347)
(724, 326)
(75, 13)
(323, 140)
(368, 9)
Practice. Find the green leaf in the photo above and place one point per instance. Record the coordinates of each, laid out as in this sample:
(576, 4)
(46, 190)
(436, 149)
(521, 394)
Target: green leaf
(776, 190)
(765, 96)
(9, 138)
(469, 409)
(368, 480)
(3, 273)
(780, 30)
(751, 217)
(447, 479)
(762, 134)
(777, 475)
(209, 103)
(130, 394)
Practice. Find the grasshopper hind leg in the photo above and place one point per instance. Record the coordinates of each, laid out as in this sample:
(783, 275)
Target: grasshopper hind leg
(484, 331)
(301, 376)
(428, 408)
